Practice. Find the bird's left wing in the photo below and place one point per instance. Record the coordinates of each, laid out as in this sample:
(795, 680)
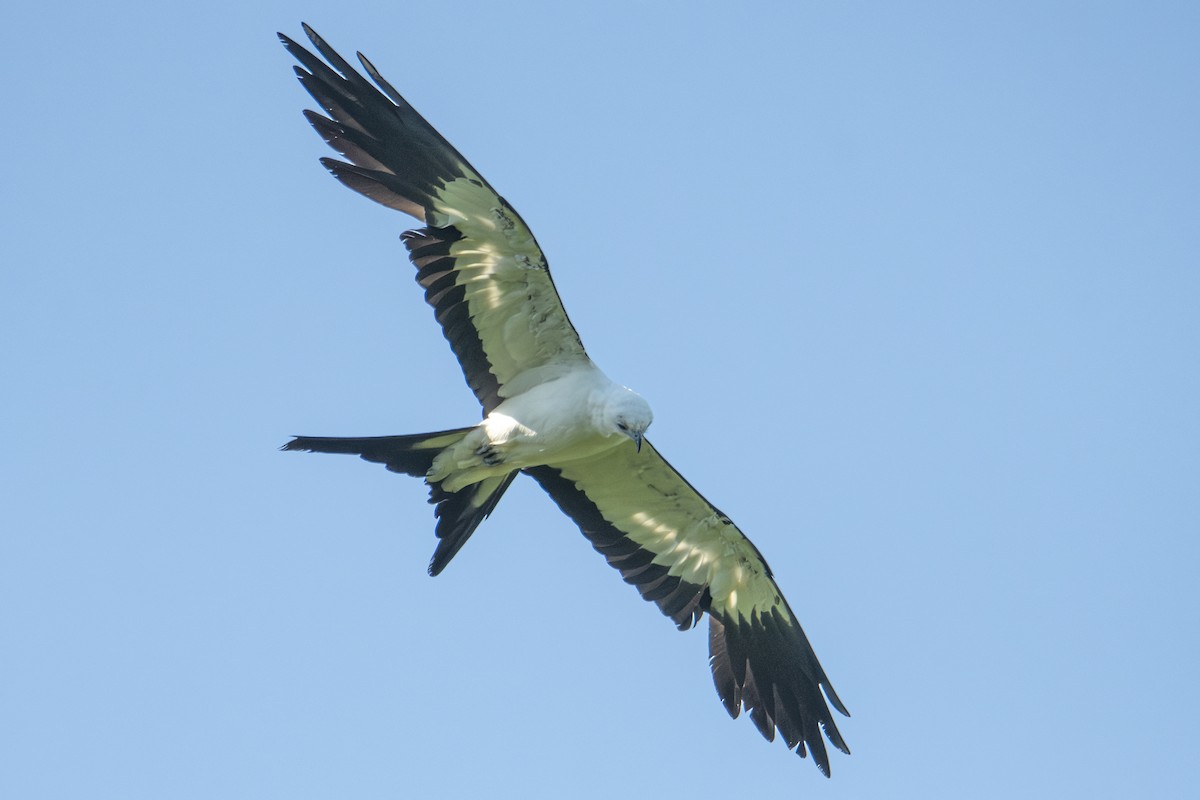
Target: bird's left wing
(689, 558)
(480, 266)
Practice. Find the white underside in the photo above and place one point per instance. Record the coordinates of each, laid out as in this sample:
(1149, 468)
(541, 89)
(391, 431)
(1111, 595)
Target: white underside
(552, 423)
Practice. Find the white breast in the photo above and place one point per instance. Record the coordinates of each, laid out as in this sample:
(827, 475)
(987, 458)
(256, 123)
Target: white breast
(554, 422)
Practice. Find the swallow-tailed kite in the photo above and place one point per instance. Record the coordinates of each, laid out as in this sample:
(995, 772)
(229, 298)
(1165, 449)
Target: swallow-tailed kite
(551, 413)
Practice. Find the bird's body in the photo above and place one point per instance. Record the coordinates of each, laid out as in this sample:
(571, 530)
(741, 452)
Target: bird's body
(570, 417)
(551, 413)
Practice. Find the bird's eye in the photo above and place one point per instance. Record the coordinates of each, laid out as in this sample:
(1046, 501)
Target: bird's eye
(621, 426)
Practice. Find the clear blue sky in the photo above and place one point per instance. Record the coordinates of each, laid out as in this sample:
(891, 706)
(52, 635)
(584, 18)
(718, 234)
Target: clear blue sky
(914, 291)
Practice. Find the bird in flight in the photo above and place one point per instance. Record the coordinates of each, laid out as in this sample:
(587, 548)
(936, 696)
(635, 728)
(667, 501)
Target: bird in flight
(549, 412)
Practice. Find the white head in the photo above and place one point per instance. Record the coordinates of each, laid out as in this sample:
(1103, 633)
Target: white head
(627, 413)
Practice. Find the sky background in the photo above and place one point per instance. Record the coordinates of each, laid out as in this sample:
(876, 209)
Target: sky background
(913, 289)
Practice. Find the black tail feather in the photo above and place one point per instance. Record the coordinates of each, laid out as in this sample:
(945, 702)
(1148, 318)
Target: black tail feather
(458, 513)
(410, 455)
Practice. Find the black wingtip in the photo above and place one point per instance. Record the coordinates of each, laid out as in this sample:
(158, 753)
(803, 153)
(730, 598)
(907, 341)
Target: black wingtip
(292, 45)
(834, 700)
(288, 42)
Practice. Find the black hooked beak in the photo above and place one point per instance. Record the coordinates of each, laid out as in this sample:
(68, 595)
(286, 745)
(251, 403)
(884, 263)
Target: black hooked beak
(637, 440)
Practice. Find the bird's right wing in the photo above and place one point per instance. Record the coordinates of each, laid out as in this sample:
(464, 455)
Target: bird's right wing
(689, 558)
(480, 266)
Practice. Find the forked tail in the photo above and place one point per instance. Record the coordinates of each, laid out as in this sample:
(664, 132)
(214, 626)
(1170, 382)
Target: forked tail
(458, 513)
